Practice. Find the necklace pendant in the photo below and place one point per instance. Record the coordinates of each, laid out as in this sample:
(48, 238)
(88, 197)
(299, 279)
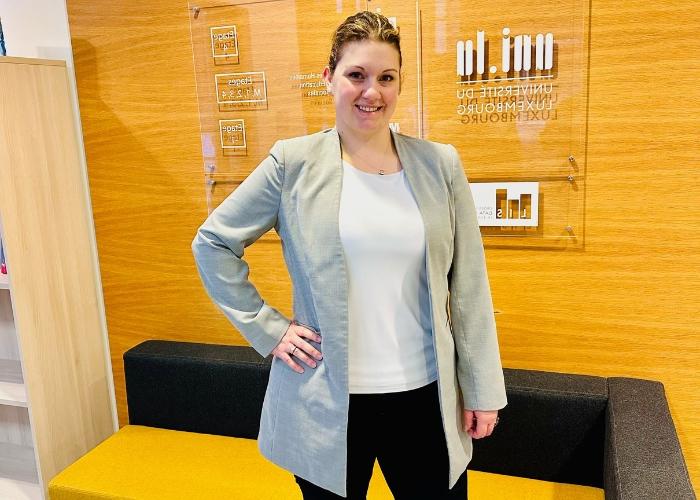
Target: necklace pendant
(381, 172)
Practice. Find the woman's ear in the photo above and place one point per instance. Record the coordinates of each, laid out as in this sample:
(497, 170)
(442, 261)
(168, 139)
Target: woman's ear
(328, 77)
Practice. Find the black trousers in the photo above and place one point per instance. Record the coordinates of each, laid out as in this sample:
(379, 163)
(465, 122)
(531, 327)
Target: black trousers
(403, 431)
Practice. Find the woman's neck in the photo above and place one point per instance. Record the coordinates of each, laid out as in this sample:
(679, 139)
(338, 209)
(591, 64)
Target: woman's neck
(377, 142)
(369, 152)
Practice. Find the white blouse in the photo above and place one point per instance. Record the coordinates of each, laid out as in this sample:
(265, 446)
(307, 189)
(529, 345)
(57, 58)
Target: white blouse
(390, 332)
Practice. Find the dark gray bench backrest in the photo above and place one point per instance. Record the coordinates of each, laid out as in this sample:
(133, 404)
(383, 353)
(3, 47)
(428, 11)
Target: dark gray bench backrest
(558, 427)
(206, 388)
(552, 429)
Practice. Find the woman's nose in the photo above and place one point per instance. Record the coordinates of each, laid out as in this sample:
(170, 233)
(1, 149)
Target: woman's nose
(372, 90)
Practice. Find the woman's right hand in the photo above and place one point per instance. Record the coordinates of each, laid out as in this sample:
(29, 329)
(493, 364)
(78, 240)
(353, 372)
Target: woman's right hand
(293, 346)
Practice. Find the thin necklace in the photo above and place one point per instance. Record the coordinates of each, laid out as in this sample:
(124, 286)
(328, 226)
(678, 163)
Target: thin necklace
(381, 170)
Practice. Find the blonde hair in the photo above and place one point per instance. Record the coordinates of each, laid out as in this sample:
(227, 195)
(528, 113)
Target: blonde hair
(364, 25)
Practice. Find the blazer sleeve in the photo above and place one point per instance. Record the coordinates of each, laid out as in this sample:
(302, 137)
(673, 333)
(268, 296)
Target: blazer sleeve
(245, 215)
(479, 369)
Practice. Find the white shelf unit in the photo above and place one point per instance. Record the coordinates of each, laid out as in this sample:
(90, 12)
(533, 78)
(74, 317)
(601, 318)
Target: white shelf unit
(19, 478)
(56, 397)
(13, 489)
(12, 392)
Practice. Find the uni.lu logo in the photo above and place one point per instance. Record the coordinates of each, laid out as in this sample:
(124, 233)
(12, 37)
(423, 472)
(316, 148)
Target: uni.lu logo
(516, 57)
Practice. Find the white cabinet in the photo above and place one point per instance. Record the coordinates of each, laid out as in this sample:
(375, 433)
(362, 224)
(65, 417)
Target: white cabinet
(56, 392)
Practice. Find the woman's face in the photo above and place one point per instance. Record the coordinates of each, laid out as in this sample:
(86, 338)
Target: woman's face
(365, 86)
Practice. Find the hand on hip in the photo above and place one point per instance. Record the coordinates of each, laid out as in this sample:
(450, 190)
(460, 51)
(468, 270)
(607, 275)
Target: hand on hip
(294, 347)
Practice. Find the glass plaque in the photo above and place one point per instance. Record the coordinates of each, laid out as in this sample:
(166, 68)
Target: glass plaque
(258, 67)
(506, 86)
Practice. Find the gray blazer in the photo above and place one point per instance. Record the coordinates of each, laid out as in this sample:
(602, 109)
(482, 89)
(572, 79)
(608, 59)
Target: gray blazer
(296, 190)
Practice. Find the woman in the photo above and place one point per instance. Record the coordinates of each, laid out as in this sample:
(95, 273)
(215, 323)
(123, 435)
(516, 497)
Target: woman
(392, 353)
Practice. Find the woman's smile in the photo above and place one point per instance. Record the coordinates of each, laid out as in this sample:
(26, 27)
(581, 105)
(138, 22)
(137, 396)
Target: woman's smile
(369, 112)
(368, 109)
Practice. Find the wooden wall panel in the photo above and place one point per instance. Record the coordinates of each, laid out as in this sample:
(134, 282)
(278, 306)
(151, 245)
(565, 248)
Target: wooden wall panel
(623, 304)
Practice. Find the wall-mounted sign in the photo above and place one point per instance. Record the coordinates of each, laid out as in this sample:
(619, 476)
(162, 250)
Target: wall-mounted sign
(224, 44)
(232, 134)
(241, 90)
(506, 203)
(520, 90)
(290, 97)
(312, 86)
(518, 48)
(506, 87)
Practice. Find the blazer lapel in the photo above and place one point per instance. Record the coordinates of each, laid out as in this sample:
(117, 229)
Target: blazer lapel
(422, 165)
(319, 204)
(422, 178)
(317, 210)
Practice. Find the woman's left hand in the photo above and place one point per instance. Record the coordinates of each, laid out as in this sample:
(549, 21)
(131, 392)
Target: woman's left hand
(480, 423)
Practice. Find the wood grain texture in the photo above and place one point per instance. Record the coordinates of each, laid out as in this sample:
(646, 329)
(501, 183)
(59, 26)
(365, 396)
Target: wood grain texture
(623, 304)
(51, 264)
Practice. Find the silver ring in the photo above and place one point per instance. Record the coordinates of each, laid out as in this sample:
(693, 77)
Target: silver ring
(293, 351)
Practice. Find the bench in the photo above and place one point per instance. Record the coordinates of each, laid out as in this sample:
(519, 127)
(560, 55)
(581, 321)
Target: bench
(194, 411)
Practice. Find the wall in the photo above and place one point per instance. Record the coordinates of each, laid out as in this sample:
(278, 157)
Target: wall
(625, 303)
(36, 28)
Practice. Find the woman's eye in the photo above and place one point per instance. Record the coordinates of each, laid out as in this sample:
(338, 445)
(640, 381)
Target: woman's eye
(355, 75)
(387, 78)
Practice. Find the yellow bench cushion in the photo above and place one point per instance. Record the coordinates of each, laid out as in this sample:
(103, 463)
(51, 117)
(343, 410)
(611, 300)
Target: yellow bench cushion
(145, 463)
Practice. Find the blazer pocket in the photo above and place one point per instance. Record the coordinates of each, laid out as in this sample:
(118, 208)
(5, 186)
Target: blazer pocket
(313, 329)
